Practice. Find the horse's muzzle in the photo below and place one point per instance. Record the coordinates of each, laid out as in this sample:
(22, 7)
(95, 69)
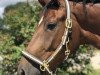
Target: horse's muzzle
(31, 71)
(28, 69)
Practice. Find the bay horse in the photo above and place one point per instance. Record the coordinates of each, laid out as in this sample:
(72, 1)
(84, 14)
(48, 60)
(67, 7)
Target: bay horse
(62, 28)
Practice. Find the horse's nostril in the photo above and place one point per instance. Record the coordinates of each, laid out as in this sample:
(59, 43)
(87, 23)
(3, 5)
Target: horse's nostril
(22, 72)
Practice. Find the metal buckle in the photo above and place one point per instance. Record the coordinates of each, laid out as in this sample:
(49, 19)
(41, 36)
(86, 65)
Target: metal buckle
(44, 66)
(68, 23)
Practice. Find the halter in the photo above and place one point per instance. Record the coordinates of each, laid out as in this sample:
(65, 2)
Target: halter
(44, 65)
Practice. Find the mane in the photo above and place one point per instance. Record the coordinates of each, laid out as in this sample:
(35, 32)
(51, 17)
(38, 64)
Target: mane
(55, 5)
(52, 5)
(86, 1)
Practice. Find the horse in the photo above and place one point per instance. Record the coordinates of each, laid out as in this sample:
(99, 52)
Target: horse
(63, 26)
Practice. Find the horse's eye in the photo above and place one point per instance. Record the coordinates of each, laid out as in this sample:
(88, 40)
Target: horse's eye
(51, 26)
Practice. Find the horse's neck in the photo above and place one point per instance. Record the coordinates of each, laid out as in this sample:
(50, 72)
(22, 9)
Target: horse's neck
(87, 16)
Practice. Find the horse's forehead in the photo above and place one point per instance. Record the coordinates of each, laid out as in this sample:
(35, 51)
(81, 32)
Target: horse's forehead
(54, 14)
(50, 12)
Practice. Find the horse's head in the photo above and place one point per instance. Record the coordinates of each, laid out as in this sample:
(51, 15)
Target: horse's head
(47, 38)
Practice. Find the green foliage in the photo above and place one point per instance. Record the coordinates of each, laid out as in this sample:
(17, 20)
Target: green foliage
(16, 29)
(77, 64)
(22, 20)
(97, 72)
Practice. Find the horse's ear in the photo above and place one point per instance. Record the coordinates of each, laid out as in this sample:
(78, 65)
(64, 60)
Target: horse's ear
(43, 2)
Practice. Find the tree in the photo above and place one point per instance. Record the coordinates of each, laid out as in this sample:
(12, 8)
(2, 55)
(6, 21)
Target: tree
(19, 22)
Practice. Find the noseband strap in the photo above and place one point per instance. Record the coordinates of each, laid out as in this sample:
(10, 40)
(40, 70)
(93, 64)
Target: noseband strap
(44, 65)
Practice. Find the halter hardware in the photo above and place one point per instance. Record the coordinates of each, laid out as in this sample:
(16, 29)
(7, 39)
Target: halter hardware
(44, 65)
(69, 28)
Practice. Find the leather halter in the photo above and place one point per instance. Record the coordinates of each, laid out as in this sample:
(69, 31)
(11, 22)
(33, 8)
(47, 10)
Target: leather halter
(44, 65)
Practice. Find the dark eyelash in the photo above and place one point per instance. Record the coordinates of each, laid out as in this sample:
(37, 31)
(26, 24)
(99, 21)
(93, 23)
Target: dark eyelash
(51, 26)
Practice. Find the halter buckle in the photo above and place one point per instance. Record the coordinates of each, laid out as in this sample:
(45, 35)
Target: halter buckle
(44, 66)
(68, 23)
